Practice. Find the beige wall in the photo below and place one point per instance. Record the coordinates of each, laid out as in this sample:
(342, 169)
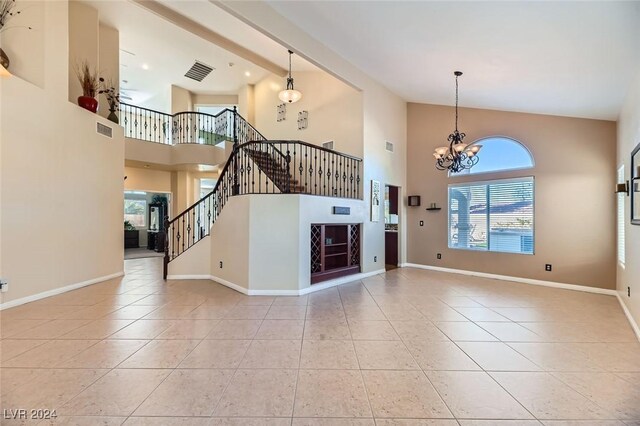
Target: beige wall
(628, 139)
(335, 111)
(180, 100)
(61, 193)
(83, 43)
(201, 99)
(108, 61)
(26, 48)
(147, 180)
(246, 103)
(574, 204)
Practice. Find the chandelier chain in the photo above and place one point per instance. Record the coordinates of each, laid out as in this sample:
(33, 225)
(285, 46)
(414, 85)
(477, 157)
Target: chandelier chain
(456, 103)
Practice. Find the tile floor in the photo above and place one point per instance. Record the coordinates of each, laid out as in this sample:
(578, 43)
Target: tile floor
(410, 347)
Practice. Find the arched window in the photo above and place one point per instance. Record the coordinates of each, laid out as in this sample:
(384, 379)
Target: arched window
(499, 154)
(495, 215)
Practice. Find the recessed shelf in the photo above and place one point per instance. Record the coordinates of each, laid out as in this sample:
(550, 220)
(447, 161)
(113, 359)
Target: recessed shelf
(336, 254)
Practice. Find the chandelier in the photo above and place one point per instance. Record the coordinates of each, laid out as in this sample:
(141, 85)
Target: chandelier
(458, 155)
(290, 94)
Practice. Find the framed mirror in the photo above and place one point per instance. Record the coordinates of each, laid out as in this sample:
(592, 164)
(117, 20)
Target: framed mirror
(635, 186)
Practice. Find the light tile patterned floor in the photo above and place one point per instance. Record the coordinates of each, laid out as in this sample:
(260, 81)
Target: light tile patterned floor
(410, 347)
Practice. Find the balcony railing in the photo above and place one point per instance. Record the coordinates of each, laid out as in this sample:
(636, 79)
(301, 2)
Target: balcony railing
(186, 127)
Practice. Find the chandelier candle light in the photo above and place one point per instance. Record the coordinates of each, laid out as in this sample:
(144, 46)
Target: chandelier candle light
(458, 156)
(290, 95)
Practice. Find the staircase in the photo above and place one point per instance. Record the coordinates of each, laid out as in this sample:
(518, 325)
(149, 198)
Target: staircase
(256, 166)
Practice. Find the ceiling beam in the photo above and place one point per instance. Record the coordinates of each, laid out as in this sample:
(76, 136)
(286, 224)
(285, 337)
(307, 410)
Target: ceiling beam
(205, 33)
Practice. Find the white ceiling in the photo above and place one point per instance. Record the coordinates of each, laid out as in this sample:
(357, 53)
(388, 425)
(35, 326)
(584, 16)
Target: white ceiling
(169, 52)
(562, 58)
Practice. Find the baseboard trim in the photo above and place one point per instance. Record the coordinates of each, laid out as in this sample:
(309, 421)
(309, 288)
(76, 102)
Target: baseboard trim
(57, 291)
(188, 277)
(632, 321)
(300, 292)
(565, 286)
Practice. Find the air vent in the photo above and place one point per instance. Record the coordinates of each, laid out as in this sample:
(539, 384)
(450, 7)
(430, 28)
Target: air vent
(389, 146)
(105, 130)
(198, 71)
(328, 145)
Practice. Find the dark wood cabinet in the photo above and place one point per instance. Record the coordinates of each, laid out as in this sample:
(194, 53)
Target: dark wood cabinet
(391, 248)
(155, 241)
(335, 251)
(131, 238)
(393, 200)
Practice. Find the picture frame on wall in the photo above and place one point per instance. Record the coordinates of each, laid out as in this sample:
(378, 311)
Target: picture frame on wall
(375, 201)
(635, 186)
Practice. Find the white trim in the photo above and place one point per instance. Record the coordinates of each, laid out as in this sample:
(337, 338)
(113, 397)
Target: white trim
(188, 277)
(565, 286)
(267, 292)
(632, 321)
(57, 291)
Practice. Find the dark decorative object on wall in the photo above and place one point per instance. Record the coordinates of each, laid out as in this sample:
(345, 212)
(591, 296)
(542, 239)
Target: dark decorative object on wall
(303, 120)
(458, 155)
(635, 186)
(281, 112)
(413, 201)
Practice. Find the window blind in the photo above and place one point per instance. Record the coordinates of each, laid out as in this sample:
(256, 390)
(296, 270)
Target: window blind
(492, 216)
(621, 199)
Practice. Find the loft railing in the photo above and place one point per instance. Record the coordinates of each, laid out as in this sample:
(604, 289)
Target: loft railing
(265, 167)
(186, 127)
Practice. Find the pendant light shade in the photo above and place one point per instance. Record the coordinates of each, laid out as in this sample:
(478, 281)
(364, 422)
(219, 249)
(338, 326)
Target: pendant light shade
(290, 94)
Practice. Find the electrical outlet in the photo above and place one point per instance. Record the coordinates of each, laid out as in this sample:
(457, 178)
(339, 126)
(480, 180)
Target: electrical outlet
(221, 264)
(375, 258)
(439, 255)
(4, 286)
(547, 267)
(422, 223)
(628, 291)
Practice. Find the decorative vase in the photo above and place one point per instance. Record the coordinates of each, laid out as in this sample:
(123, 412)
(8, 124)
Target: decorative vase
(113, 116)
(4, 59)
(88, 103)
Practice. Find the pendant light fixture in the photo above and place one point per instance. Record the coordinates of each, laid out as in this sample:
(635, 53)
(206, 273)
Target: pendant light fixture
(290, 95)
(458, 156)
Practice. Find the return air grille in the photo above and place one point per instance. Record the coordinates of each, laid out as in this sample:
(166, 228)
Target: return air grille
(104, 130)
(198, 71)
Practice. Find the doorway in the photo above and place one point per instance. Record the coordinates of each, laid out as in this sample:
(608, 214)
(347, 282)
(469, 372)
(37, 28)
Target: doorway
(144, 214)
(391, 214)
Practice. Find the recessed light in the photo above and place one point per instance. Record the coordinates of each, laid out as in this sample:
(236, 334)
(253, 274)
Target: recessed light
(145, 66)
(247, 74)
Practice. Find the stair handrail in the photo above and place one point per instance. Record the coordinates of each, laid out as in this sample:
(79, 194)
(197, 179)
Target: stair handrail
(309, 169)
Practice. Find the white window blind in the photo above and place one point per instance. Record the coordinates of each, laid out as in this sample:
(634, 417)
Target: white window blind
(621, 199)
(492, 216)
